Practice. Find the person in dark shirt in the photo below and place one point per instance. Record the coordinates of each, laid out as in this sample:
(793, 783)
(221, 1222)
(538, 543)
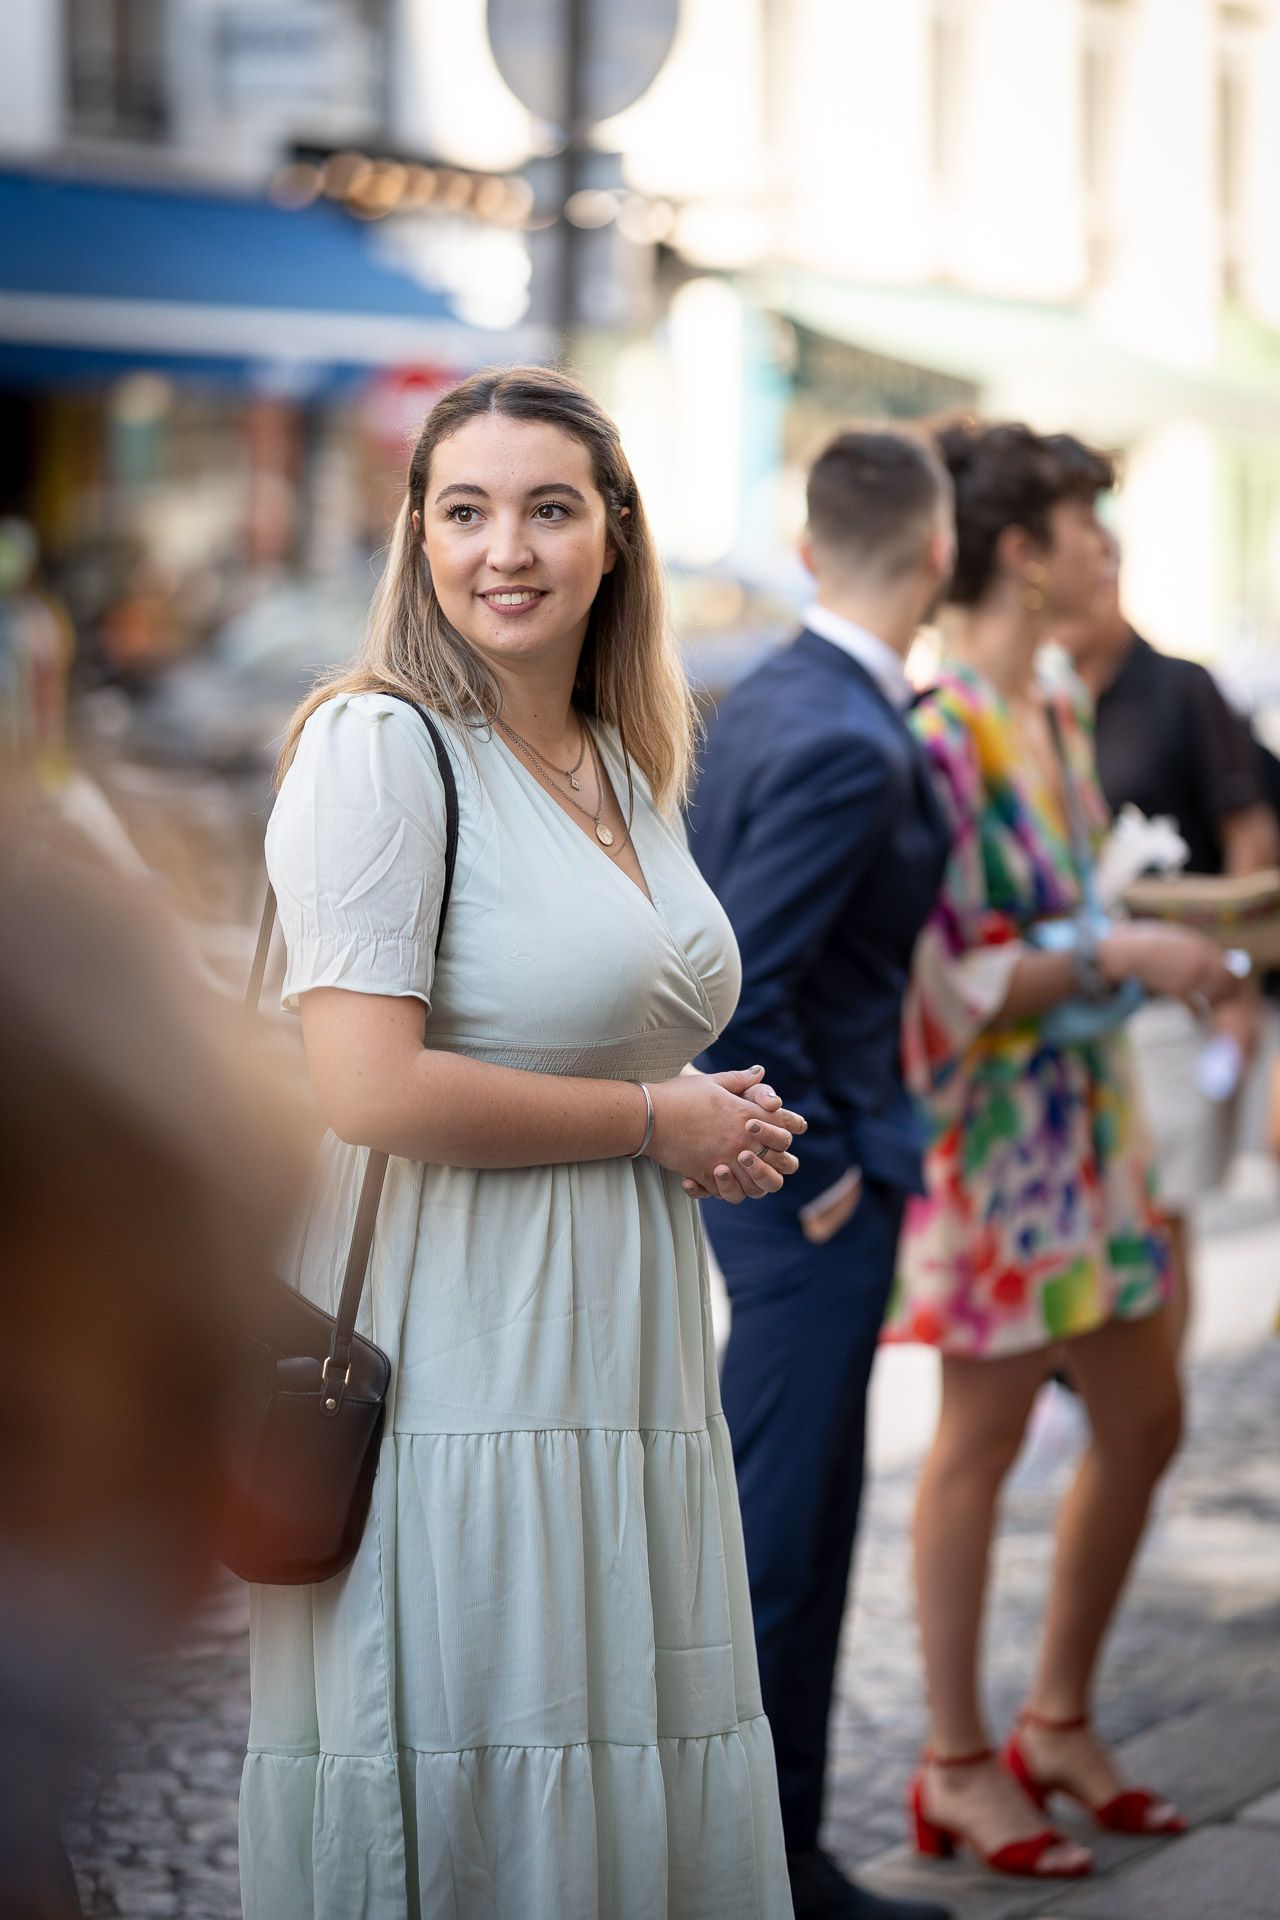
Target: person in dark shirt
(1169, 743)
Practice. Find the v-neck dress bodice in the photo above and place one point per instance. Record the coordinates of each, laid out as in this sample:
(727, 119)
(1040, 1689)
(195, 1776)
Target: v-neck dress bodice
(534, 1692)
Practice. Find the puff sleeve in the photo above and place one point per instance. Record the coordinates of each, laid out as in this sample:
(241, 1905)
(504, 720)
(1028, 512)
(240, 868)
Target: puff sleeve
(355, 851)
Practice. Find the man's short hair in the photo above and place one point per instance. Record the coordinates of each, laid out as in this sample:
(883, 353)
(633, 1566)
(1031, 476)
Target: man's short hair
(873, 496)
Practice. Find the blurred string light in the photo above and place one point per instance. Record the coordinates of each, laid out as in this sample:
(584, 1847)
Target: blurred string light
(371, 187)
(592, 207)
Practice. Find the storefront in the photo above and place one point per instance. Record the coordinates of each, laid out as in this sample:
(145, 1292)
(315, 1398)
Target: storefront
(202, 393)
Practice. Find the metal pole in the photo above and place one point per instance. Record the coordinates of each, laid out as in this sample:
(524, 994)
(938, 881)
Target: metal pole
(576, 27)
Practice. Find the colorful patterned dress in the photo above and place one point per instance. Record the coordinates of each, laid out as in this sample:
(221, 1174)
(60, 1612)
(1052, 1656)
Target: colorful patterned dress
(1038, 1221)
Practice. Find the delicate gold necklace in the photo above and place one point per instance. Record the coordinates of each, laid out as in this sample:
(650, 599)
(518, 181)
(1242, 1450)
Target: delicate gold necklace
(604, 834)
(566, 773)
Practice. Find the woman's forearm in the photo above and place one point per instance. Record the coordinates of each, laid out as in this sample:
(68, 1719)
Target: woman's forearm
(466, 1113)
(378, 1085)
(1039, 982)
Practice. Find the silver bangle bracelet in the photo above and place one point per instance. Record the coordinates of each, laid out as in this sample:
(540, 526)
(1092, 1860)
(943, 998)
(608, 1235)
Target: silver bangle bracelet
(648, 1125)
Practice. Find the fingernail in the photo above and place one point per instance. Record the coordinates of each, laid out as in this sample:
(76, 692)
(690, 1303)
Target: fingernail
(757, 1069)
(746, 1160)
(753, 1126)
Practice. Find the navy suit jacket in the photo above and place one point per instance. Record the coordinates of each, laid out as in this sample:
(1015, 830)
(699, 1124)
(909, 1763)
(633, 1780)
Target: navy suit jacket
(816, 824)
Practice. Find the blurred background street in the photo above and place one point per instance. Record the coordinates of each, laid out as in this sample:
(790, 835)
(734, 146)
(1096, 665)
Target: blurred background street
(246, 244)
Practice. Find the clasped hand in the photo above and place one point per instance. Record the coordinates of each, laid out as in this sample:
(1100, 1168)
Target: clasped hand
(727, 1134)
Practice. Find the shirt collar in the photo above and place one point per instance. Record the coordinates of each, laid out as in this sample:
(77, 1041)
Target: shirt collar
(873, 654)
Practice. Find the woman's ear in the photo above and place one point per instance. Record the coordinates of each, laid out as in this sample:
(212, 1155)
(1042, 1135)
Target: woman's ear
(610, 550)
(416, 517)
(1016, 548)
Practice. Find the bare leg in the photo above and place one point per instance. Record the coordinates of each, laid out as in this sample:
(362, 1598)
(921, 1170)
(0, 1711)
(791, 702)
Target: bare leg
(1178, 1312)
(1127, 1377)
(985, 1404)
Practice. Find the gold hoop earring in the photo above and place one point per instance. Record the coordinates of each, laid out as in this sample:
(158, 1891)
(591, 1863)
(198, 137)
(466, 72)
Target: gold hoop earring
(1033, 588)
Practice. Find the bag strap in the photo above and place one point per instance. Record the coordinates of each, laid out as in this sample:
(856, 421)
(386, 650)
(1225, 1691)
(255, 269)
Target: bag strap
(357, 1266)
(1077, 826)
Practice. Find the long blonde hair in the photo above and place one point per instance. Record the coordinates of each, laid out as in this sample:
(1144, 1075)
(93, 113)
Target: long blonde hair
(629, 675)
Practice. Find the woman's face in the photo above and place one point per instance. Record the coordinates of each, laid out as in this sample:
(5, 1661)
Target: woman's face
(515, 535)
(1080, 561)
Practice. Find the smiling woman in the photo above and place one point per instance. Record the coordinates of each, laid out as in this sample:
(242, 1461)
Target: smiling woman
(422, 640)
(549, 1606)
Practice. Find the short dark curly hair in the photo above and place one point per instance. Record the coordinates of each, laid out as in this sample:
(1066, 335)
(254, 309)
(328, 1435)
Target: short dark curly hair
(1007, 475)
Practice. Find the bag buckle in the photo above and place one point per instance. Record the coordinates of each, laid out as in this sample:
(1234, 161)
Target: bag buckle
(331, 1394)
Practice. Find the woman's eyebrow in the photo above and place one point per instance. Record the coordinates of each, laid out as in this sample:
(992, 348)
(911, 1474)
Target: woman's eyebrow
(461, 486)
(479, 493)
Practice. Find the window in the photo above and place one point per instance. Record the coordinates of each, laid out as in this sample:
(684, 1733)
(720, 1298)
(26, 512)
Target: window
(117, 82)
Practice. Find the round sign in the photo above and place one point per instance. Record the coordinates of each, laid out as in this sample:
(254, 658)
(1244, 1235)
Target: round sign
(624, 45)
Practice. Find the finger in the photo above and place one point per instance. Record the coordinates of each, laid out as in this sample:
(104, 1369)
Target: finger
(743, 1182)
(794, 1122)
(740, 1081)
(695, 1191)
(762, 1134)
(765, 1098)
(752, 1169)
(727, 1187)
(783, 1163)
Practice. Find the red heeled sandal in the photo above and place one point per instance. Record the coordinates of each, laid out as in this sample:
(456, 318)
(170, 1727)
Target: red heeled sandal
(1023, 1857)
(1135, 1810)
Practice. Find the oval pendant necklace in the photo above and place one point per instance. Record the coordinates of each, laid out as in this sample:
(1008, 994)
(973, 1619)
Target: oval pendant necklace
(545, 768)
(603, 834)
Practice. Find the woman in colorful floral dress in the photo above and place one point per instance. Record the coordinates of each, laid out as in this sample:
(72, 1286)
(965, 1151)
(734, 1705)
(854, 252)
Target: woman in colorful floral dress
(1037, 1245)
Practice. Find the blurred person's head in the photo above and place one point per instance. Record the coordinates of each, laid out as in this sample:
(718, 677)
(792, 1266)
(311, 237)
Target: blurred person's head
(1027, 526)
(142, 1179)
(142, 1185)
(880, 536)
(592, 561)
(1096, 641)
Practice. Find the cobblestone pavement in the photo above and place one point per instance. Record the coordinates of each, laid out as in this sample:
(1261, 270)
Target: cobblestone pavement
(156, 1834)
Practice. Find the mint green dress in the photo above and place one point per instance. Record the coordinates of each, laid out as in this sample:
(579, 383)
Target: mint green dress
(533, 1695)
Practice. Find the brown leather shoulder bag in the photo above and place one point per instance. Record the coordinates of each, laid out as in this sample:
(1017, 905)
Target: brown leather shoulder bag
(309, 1393)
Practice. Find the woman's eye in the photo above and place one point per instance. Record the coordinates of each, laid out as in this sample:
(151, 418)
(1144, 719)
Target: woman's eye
(552, 510)
(456, 514)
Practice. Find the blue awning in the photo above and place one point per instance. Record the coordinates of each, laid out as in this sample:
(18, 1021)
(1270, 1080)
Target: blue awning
(96, 278)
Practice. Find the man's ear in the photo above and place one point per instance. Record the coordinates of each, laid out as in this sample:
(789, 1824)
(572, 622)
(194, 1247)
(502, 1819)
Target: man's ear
(804, 547)
(942, 553)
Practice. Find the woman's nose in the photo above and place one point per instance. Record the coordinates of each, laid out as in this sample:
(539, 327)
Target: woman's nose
(510, 550)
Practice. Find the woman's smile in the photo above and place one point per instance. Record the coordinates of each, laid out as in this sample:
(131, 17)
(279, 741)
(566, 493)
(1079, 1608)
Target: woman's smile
(512, 600)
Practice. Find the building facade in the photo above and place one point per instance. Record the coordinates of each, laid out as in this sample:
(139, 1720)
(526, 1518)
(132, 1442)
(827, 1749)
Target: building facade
(1071, 206)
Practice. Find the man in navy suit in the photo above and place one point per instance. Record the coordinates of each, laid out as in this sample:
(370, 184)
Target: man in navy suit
(816, 824)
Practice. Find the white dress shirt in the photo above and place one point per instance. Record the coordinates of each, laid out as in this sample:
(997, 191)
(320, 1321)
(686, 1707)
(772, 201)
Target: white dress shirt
(876, 656)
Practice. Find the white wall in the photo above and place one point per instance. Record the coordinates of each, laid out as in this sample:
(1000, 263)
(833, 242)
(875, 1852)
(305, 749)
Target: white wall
(30, 77)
